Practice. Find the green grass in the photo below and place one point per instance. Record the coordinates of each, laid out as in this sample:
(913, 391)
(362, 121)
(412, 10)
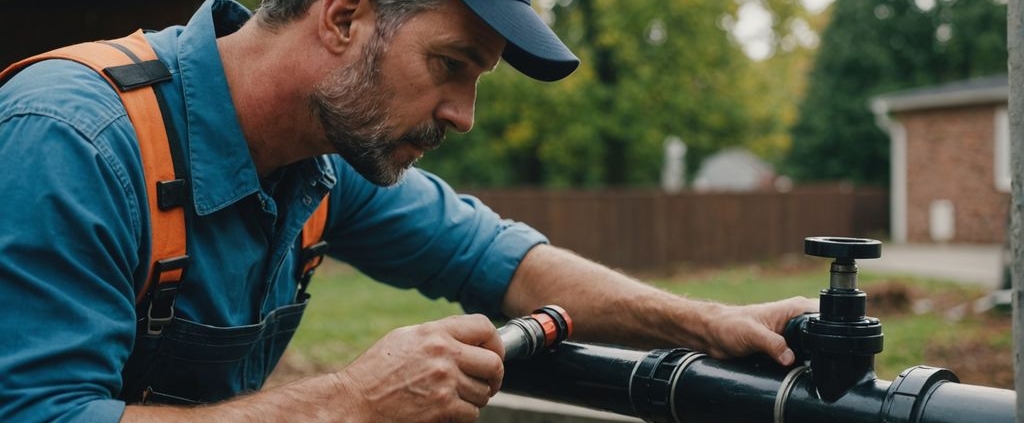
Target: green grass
(349, 312)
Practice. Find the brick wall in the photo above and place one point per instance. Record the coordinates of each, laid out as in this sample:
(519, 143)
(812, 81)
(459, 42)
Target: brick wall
(950, 155)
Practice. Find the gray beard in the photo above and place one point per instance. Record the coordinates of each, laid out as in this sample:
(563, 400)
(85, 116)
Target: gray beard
(351, 106)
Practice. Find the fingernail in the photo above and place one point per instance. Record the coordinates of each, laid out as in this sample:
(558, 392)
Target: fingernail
(787, 358)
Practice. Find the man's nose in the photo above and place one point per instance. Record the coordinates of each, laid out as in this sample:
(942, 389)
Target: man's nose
(457, 109)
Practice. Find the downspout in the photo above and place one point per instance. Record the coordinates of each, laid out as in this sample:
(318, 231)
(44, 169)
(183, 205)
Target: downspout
(897, 169)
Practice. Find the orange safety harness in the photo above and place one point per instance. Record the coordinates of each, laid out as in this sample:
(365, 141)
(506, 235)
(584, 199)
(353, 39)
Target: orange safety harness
(131, 66)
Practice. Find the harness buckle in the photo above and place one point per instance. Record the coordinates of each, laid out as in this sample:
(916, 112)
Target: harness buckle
(313, 252)
(163, 291)
(311, 257)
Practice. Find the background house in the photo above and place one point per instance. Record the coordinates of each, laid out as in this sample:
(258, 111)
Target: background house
(950, 161)
(734, 169)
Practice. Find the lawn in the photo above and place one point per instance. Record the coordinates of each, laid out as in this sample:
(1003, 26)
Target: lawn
(924, 320)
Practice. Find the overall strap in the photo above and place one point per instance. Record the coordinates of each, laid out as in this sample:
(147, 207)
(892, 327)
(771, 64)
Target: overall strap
(132, 67)
(313, 246)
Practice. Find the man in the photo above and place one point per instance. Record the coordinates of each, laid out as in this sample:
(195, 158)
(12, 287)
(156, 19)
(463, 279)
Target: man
(258, 104)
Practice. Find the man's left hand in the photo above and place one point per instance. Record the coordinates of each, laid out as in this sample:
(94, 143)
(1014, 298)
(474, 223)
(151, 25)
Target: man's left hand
(735, 331)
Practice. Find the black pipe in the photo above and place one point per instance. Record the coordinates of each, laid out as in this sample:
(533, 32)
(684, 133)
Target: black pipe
(586, 375)
(676, 386)
(838, 386)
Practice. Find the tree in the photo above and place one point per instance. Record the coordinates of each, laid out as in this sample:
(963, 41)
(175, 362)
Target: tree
(876, 46)
(650, 70)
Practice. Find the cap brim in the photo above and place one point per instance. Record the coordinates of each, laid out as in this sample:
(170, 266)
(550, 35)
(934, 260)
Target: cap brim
(532, 47)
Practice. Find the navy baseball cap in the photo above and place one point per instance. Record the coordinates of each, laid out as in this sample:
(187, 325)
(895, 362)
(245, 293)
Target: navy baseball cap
(532, 47)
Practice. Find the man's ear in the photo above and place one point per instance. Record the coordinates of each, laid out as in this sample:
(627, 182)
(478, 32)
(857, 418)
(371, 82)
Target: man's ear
(341, 20)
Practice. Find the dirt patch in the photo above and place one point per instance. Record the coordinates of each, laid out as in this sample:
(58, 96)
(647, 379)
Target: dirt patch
(979, 356)
(891, 298)
(978, 359)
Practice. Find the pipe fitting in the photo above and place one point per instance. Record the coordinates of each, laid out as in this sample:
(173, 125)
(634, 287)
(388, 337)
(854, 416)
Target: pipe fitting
(525, 336)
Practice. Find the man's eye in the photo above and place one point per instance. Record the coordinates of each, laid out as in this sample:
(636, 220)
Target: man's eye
(451, 65)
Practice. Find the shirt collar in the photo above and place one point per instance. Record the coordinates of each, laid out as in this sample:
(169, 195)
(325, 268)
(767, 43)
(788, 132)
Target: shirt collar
(220, 165)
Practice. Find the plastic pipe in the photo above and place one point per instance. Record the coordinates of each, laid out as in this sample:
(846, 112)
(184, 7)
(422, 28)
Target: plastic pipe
(676, 386)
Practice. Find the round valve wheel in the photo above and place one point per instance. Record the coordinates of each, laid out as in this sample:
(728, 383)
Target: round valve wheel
(843, 248)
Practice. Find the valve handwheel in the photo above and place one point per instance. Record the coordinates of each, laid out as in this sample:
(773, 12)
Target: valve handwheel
(842, 248)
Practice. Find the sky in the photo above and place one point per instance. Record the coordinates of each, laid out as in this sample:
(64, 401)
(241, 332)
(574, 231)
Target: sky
(752, 28)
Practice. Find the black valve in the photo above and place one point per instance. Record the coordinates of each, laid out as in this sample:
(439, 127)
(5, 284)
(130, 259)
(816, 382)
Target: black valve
(841, 341)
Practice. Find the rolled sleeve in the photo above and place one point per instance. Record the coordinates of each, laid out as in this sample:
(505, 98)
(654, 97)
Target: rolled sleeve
(97, 411)
(68, 254)
(421, 234)
(497, 266)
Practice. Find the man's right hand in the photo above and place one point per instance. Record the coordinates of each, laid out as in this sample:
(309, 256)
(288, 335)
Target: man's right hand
(437, 372)
(442, 371)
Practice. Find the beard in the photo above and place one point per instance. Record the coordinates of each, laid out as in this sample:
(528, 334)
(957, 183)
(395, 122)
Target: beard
(351, 104)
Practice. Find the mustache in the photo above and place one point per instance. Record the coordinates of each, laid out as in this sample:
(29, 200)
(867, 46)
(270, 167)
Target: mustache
(427, 136)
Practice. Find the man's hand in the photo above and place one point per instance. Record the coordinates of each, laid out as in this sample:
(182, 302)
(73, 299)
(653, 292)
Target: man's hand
(442, 371)
(437, 372)
(735, 331)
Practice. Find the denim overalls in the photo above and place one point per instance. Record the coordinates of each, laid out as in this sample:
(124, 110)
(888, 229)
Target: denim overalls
(192, 363)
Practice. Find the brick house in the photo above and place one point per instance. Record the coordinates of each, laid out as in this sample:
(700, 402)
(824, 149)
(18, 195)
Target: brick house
(950, 161)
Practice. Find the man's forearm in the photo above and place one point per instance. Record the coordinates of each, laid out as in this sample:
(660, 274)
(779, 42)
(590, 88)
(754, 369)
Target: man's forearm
(608, 306)
(318, 399)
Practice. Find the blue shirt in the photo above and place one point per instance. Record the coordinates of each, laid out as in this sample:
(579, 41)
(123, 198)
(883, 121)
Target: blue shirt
(75, 240)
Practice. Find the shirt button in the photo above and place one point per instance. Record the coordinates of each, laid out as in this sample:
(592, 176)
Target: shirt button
(307, 200)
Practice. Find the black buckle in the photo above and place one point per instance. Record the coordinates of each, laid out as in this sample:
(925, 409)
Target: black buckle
(308, 255)
(312, 252)
(171, 194)
(161, 295)
(135, 75)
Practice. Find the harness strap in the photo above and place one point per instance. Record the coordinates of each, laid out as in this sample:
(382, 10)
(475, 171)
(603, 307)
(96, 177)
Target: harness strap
(313, 246)
(131, 65)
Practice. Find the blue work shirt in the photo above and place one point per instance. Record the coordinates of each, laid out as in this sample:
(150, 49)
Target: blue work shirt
(75, 243)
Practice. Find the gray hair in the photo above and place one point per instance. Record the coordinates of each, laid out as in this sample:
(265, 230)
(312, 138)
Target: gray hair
(391, 14)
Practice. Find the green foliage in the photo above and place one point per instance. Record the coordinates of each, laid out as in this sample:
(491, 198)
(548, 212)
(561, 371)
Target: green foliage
(876, 46)
(649, 70)
(250, 4)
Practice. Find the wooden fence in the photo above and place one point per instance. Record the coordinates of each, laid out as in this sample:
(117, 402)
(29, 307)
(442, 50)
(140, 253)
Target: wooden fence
(653, 230)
